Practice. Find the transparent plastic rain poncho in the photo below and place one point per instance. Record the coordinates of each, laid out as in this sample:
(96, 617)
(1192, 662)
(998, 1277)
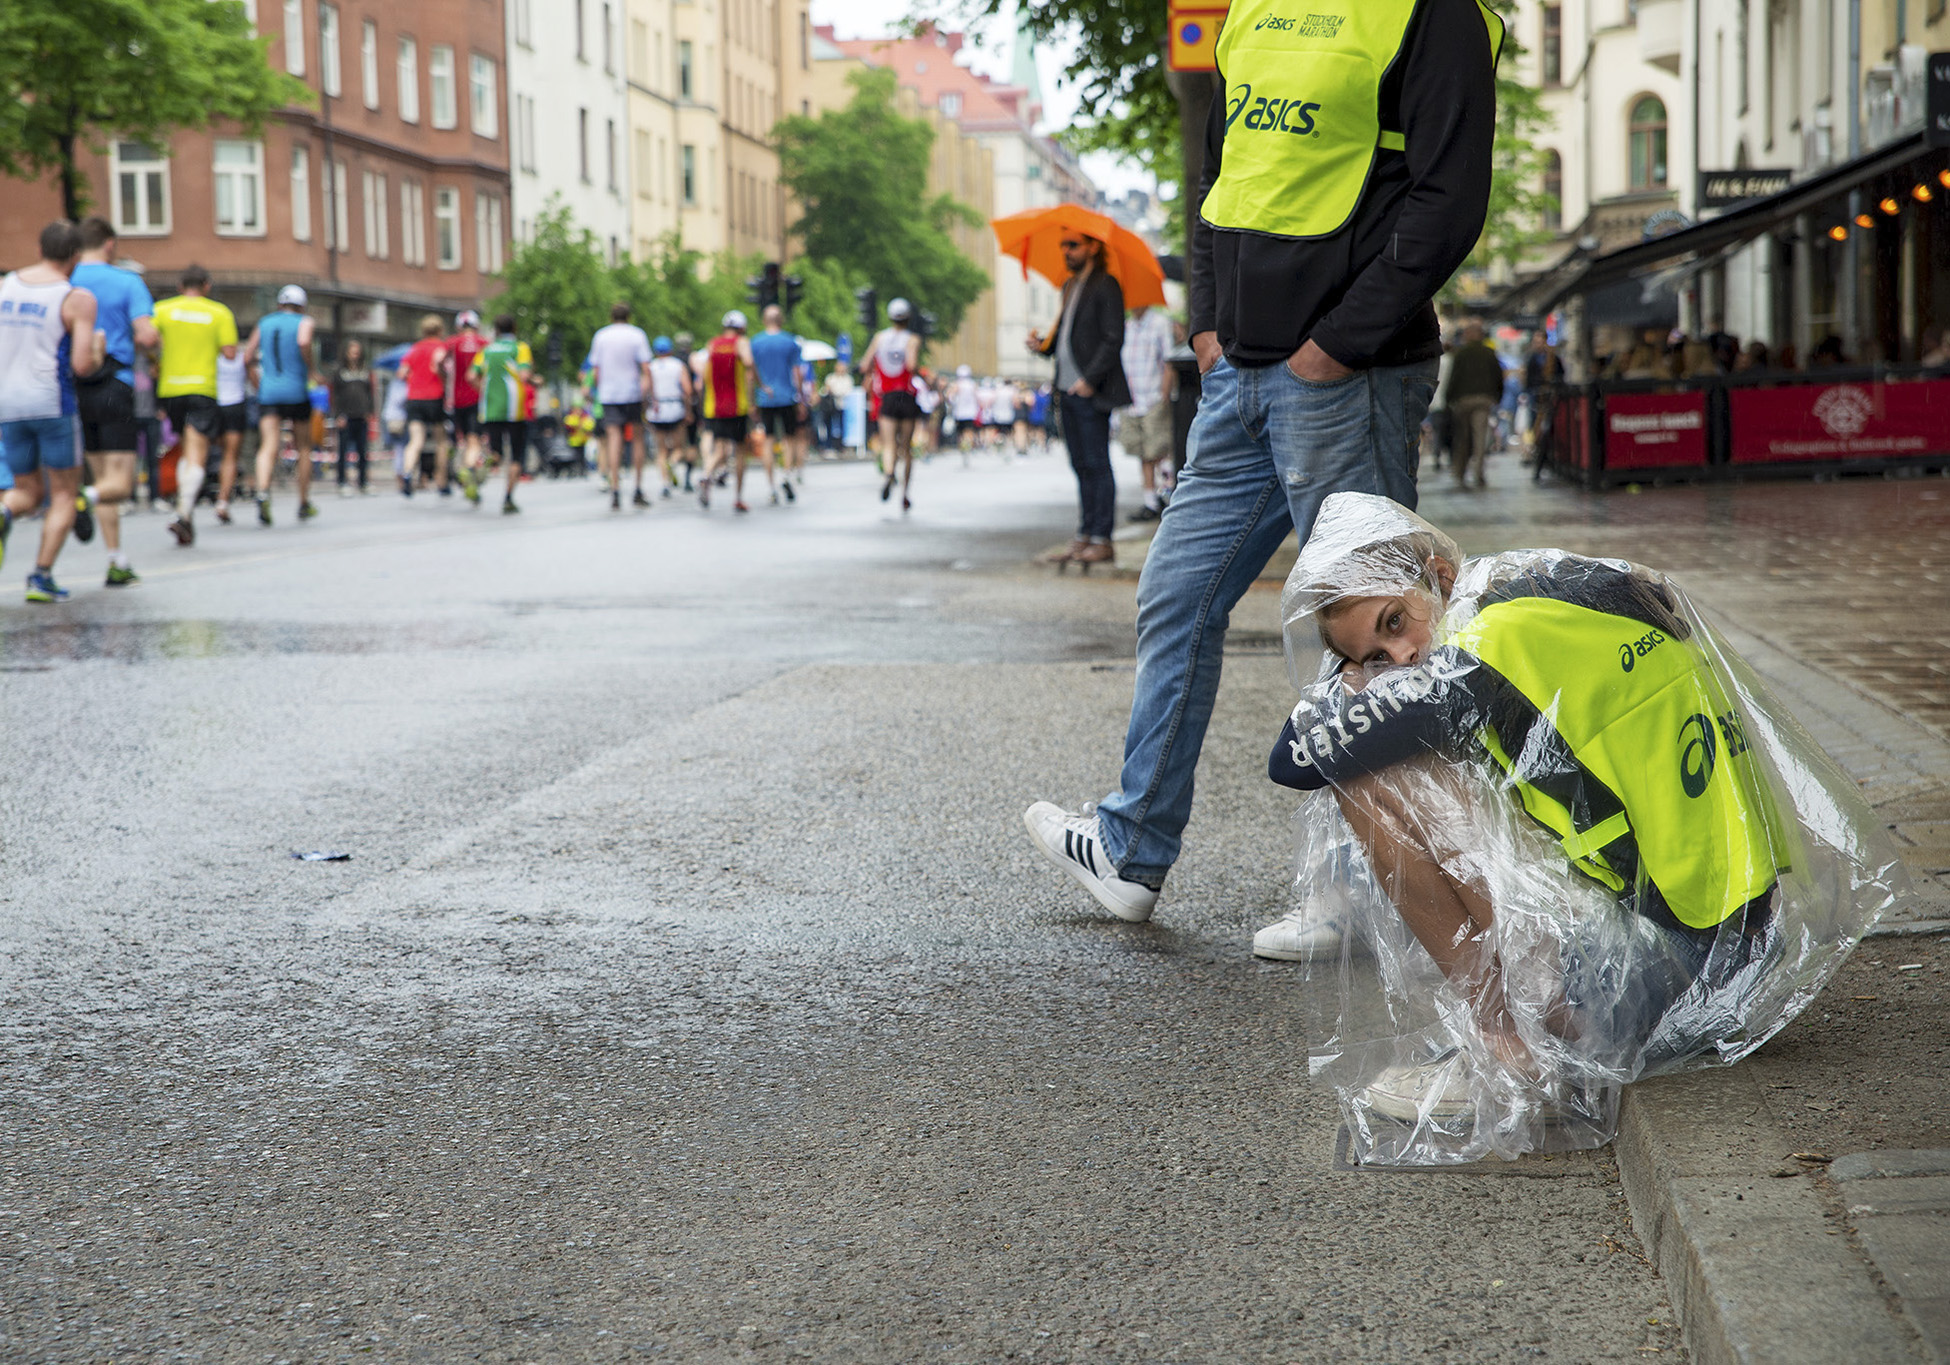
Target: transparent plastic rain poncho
(1480, 809)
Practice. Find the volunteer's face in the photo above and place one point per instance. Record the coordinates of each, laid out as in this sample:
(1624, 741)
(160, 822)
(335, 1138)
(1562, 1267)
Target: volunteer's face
(1383, 631)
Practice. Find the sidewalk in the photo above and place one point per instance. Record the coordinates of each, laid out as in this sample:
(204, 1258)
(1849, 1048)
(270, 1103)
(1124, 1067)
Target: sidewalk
(1798, 1204)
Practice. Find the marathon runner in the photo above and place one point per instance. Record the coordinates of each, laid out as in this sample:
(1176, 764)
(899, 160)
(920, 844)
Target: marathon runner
(727, 410)
(894, 358)
(280, 345)
(619, 355)
(466, 348)
(502, 370)
(684, 348)
(195, 331)
(233, 420)
(966, 406)
(669, 409)
(777, 361)
(106, 400)
(47, 339)
(425, 367)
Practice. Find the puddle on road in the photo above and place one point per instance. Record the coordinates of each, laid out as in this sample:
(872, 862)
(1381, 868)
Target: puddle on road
(35, 649)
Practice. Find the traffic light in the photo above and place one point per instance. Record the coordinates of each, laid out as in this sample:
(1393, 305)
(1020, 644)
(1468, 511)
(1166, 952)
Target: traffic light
(795, 290)
(755, 290)
(869, 307)
(924, 323)
(770, 289)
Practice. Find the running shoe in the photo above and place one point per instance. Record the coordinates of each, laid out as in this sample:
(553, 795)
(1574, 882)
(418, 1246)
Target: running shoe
(887, 489)
(84, 515)
(184, 532)
(615, 499)
(666, 491)
(223, 513)
(41, 588)
(775, 497)
(1312, 930)
(470, 486)
(638, 500)
(264, 511)
(120, 576)
(1073, 843)
(739, 507)
(306, 511)
(345, 490)
(704, 494)
(446, 490)
(508, 507)
(907, 503)
(790, 496)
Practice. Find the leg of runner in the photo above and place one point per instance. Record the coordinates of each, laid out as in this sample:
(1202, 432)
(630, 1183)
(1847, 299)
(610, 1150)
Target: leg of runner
(761, 443)
(230, 444)
(639, 438)
(708, 451)
(192, 450)
(270, 437)
(409, 467)
(442, 462)
(888, 464)
(301, 445)
(742, 452)
(113, 473)
(666, 474)
(518, 443)
(904, 444)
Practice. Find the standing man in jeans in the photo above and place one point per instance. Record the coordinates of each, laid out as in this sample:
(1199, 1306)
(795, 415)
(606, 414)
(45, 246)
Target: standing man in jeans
(1347, 175)
(1087, 344)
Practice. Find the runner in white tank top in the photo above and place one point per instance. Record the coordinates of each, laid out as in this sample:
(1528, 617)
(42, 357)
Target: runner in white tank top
(894, 357)
(34, 377)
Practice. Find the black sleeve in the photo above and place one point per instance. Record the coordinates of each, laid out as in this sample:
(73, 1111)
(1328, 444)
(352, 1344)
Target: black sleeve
(1203, 308)
(1435, 708)
(1448, 111)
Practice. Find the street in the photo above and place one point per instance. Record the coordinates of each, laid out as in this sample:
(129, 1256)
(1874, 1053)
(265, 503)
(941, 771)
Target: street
(691, 990)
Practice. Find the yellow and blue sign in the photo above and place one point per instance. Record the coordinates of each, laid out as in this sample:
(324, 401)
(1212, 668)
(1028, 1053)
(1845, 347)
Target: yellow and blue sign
(1194, 27)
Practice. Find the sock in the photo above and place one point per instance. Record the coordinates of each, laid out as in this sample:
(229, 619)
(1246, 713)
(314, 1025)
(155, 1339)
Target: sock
(189, 484)
(118, 559)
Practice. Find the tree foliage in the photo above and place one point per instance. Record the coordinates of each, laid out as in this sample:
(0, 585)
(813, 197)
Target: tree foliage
(557, 286)
(860, 175)
(78, 73)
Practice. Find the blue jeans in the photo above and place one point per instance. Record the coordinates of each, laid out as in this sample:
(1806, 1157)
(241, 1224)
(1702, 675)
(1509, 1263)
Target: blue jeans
(1086, 435)
(1265, 449)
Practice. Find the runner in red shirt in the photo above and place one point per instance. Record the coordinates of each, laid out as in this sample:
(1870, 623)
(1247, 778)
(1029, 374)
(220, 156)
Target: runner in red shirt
(467, 344)
(425, 367)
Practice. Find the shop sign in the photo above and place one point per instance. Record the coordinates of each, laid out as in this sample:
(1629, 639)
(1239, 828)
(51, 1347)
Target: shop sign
(1655, 430)
(1839, 422)
(1936, 119)
(1723, 189)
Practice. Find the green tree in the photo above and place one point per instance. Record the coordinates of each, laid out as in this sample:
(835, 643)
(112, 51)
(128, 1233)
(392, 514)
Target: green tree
(860, 175)
(77, 73)
(557, 286)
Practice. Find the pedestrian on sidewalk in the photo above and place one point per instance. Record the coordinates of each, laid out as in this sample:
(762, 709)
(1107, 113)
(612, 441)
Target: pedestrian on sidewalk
(125, 313)
(48, 340)
(352, 403)
(1087, 344)
(1317, 247)
(1144, 428)
(1470, 393)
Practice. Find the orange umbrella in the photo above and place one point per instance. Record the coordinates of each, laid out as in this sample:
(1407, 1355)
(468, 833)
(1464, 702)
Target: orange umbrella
(1034, 237)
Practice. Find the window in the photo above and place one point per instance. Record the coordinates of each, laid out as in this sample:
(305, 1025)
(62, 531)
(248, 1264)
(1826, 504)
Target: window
(369, 63)
(412, 222)
(524, 23)
(239, 175)
(409, 81)
(663, 161)
(1553, 192)
(446, 226)
(487, 233)
(951, 104)
(440, 84)
(338, 213)
(582, 47)
(141, 190)
(690, 173)
(483, 97)
(294, 37)
(374, 201)
(611, 146)
(684, 69)
(609, 52)
(1553, 48)
(328, 49)
(1648, 144)
(300, 194)
(642, 152)
(1742, 54)
(582, 143)
(524, 132)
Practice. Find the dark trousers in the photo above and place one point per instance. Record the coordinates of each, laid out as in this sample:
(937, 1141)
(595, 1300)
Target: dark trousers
(352, 445)
(1086, 434)
(509, 441)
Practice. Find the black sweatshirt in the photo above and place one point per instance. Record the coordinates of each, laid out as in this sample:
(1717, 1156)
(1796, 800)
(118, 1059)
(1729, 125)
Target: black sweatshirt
(1362, 295)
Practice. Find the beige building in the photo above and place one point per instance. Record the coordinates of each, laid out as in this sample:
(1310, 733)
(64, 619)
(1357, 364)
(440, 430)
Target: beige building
(655, 142)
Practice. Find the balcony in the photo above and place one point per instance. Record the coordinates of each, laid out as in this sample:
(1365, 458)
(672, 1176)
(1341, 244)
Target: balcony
(1661, 25)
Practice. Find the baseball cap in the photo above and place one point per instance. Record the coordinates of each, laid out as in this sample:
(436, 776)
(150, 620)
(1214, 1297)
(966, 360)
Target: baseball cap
(467, 318)
(899, 308)
(291, 294)
(736, 321)
(661, 345)
(964, 371)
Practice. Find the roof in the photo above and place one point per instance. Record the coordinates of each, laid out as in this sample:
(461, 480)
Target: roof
(927, 64)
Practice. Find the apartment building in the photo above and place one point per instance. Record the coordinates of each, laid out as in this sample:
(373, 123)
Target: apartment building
(660, 81)
(569, 103)
(388, 199)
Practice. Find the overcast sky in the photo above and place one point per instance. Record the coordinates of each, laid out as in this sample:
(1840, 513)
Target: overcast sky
(876, 18)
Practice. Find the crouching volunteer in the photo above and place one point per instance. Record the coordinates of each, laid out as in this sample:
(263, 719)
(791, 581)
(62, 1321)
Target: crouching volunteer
(1580, 840)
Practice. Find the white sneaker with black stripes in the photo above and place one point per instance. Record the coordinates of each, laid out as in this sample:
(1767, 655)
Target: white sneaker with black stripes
(1073, 844)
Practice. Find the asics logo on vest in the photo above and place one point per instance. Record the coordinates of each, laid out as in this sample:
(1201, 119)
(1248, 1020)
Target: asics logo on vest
(1629, 655)
(1273, 21)
(1696, 754)
(1271, 114)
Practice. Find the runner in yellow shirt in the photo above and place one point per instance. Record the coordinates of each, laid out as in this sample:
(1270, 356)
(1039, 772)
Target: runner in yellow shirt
(195, 330)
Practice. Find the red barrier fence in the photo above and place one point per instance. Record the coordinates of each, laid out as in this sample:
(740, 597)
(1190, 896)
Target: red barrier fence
(1839, 422)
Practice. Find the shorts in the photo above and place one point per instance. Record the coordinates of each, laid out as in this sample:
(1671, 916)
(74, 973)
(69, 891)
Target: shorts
(39, 443)
(622, 414)
(1146, 435)
(107, 412)
(672, 427)
(732, 429)
(427, 411)
(466, 418)
(285, 412)
(899, 407)
(192, 412)
(780, 422)
(234, 417)
(514, 434)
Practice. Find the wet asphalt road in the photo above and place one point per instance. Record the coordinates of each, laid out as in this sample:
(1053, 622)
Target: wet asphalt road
(692, 992)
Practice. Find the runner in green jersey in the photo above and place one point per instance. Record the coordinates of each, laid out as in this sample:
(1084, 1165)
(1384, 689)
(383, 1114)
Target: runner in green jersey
(501, 372)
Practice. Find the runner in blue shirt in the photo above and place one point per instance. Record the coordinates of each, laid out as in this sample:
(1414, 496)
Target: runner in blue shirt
(281, 346)
(781, 397)
(124, 311)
